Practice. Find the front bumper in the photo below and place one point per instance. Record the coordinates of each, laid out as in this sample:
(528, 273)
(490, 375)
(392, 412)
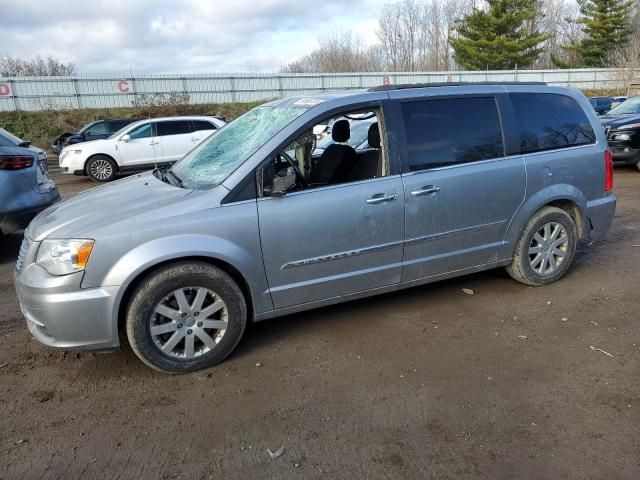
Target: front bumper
(59, 312)
(72, 165)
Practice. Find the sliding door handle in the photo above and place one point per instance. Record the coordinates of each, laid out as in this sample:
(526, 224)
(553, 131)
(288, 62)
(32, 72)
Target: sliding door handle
(379, 198)
(426, 190)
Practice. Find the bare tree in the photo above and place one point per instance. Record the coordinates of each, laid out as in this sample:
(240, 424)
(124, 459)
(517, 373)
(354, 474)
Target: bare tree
(625, 62)
(338, 52)
(36, 67)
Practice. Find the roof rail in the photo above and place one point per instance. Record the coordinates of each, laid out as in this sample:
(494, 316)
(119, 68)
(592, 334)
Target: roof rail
(403, 86)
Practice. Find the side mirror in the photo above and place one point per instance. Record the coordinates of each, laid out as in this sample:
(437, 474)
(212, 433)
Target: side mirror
(282, 184)
(125, 138)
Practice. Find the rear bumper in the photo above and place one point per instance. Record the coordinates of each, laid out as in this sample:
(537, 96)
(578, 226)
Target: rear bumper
(600, 215)
(19, 219)
(60, 313)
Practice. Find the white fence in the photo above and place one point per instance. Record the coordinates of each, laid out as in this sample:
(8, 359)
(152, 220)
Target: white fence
(40, 93)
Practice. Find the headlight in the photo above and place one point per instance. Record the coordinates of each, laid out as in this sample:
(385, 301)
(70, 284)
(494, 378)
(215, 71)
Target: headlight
(626, 127)
(73, 151)
(61, 257)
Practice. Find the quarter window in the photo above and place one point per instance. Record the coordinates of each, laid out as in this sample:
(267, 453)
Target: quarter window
(550, 121)
(442, 132)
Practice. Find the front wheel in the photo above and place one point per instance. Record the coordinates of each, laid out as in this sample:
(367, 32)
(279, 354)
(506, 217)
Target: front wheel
(101, 169)
(185, 317)
(545, 249)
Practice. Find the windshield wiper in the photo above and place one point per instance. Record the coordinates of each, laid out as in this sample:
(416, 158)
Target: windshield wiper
(174, 176)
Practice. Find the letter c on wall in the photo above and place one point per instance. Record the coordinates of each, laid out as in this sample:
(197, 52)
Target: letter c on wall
(123, 86)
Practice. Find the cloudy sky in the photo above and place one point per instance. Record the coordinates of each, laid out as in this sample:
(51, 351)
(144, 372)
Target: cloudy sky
(178, 36)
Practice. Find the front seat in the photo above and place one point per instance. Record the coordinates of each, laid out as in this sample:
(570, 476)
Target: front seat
(369, 164)
(337, 161)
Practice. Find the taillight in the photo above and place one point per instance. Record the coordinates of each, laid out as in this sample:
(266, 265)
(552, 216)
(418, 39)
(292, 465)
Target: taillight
(608, 160)
(15, 162)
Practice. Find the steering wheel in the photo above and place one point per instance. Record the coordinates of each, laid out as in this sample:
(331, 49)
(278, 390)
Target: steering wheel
(297, 171)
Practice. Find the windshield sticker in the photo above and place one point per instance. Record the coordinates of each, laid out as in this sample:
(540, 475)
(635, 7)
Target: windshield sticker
(308, 102)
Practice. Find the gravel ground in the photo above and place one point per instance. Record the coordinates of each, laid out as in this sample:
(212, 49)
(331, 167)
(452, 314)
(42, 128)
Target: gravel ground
(425, 383)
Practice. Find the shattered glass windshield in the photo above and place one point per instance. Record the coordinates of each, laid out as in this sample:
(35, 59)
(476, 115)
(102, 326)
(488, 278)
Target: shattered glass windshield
(215, 159)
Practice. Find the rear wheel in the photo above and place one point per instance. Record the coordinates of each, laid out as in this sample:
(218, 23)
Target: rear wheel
(101, 168)
(545, 249)
(186, 317)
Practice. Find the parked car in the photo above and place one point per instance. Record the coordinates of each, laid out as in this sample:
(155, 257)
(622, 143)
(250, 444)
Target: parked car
(92, 131)
(139, 146)
(617, 101)
(601, 104)
(25, 186)
(622, 126)
(457, 179)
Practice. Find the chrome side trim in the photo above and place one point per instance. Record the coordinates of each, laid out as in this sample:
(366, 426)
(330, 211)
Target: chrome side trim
(450, 233)
(336, 256)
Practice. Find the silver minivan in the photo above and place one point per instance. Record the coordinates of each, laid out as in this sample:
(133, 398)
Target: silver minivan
(257, 222)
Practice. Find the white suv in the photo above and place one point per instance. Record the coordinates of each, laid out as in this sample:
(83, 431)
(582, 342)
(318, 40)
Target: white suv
(138, 146)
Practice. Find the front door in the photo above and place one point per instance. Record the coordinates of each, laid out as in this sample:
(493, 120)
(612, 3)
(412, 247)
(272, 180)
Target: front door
(141, 148)
(461, 191)
(342, 231)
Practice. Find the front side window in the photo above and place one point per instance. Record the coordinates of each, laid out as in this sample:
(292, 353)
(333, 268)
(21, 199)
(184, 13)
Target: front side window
(550, 121)
(97, 129)
(215, 159)
(173, 127)
(142, 131)
(443, 132)
(345, 148)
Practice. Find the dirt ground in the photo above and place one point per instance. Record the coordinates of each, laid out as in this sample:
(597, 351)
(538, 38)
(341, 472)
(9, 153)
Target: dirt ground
(424, 383)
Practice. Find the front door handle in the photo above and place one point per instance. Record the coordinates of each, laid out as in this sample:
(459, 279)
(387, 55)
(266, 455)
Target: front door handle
(426, 190)
(195, 139)
(379, 198)
(154, 143)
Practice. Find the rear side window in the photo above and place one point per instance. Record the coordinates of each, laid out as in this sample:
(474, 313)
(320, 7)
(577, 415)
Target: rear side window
(550, 121)
(174, 127)
(451, 131)
(198, 125)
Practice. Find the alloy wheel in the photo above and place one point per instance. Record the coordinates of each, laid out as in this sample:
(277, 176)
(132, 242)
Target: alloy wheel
(548, 248)
(189, 322)
(101, 169)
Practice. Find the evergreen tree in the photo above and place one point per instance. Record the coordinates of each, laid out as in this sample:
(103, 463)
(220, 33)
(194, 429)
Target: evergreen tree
(606, 28)
(499, 38)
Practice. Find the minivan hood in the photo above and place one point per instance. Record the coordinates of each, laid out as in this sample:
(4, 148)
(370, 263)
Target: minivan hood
(117, 205)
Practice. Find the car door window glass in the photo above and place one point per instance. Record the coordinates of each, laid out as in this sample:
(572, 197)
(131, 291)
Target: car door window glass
(549, 121)
(97, 129)
(198, 125)
(174, 127)
(442, 132)
(143, 131)
(324, 155)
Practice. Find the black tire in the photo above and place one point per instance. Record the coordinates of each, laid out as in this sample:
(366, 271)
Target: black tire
(101, 168)
(521, 268)
(156, 288)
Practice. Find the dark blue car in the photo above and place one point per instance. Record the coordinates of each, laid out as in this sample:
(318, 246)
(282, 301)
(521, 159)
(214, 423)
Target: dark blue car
(25, 186)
